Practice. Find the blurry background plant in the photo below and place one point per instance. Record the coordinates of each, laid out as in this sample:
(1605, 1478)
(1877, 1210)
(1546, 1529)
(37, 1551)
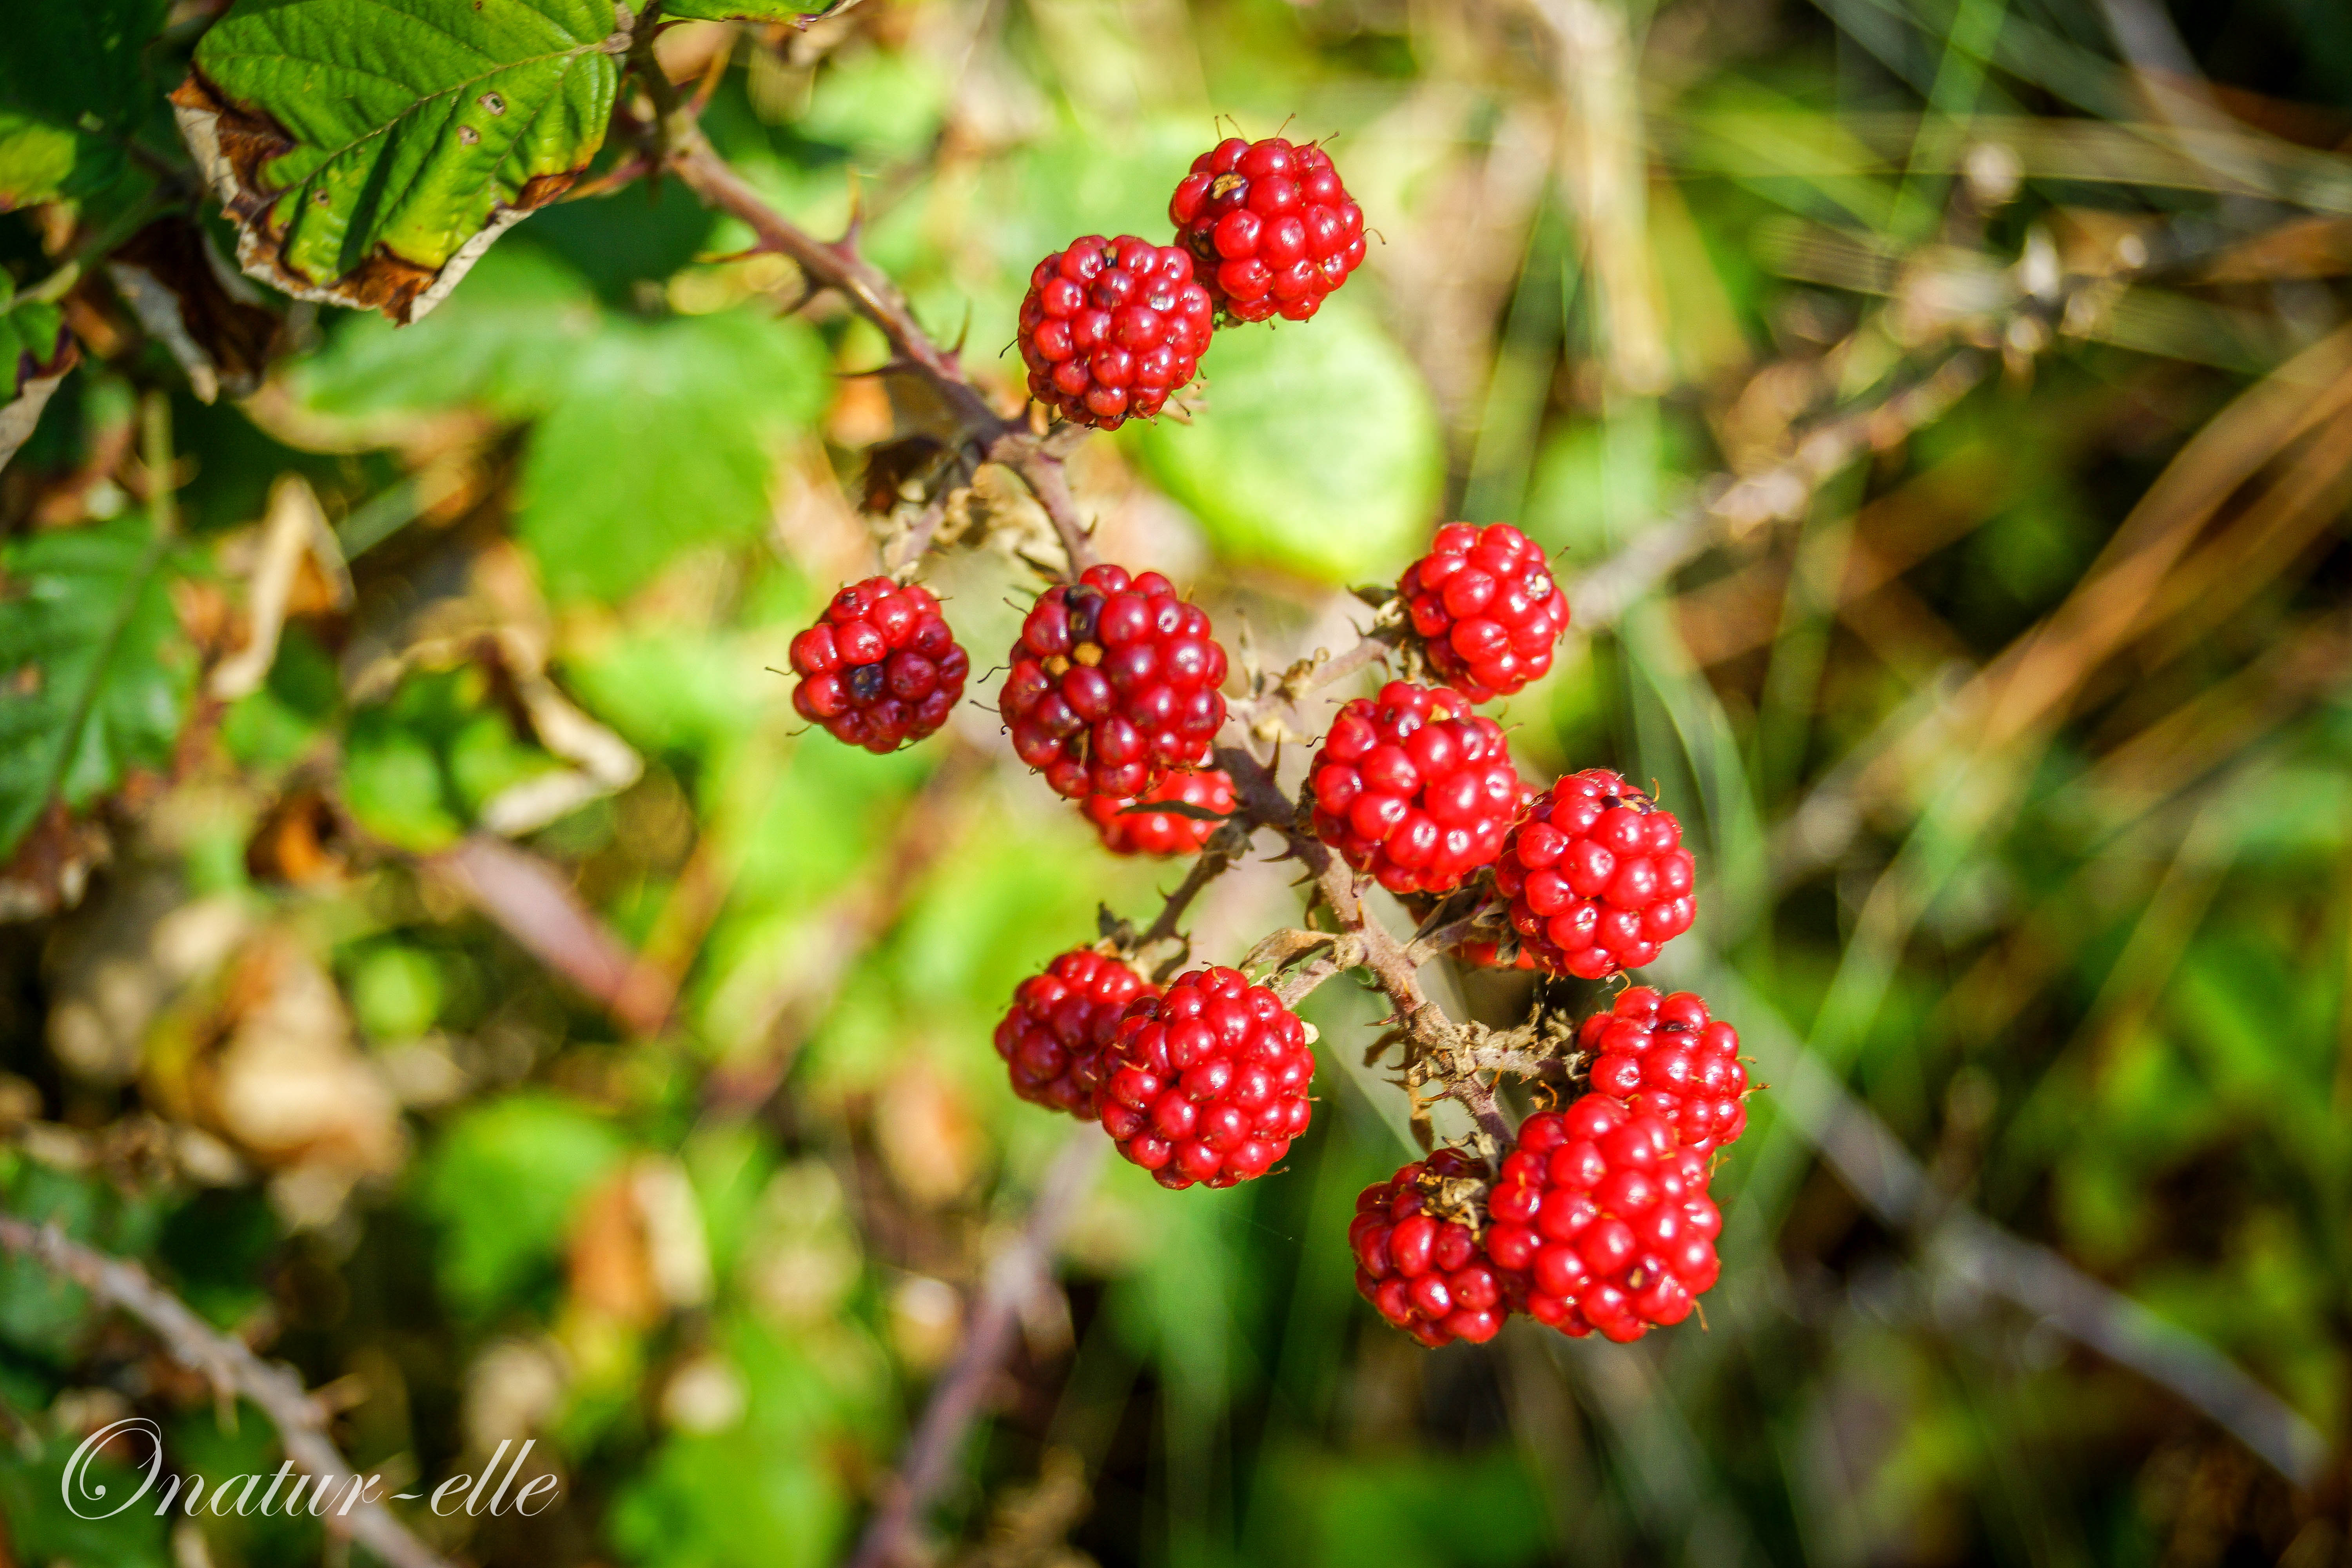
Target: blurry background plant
(436, 950)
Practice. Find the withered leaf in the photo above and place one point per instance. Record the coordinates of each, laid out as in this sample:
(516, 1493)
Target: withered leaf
(189, 299)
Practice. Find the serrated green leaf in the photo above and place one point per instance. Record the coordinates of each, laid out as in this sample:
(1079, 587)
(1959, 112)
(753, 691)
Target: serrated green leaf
(664, 439)
(1318, 448)
(71, 90)
(370, 151)
(93, 678)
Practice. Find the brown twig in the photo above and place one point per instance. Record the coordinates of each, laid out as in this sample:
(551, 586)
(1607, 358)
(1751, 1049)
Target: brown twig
(534, 903)
(301, 1421)
(1014, 1276)
(1036, 457)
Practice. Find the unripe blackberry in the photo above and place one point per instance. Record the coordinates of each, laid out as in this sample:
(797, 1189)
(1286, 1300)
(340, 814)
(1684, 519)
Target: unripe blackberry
(1415, 788)
(1599, 1220)
(1053, 1038)
(1206, 1082)
(1272, 227)
(1487, 608)
(1596, 877)
(1113, 683)
(1663, 1055)
(880, 667)
(1127, 830)
(1418, 1260)
(1111, 327)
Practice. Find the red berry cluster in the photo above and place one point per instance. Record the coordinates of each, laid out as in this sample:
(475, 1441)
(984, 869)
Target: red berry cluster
(1421, 1269)
(1485, 604)
(1414, 789)
(1110, 327)
(1113, 682)
(880, 667)
(1664, 1056)
(1129, 828)
(1052, 1039)
(1603, 1220)
(1207, 1081)
(1596, 877)
(1273, 226)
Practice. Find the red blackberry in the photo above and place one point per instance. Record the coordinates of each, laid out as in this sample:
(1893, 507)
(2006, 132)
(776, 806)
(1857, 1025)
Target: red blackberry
(1207, 1082)
(1664, 1056)
(1415, 788)
(1601, 1221)
(1110, 327)
(1417, 1265)
(1271, 225)
(1053, 1037)
(1487, 607)
(1596, 877)
(880, 667)
(1113, 682)
(1128, 831)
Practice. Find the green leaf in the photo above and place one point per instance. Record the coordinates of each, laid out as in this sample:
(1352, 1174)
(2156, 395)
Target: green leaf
(738, 10)
(510, 342)
(71, 89)
(370, 151)
(503, 1184)
(36, 353)
(92, 677)
(664, 439)
(1319, 449)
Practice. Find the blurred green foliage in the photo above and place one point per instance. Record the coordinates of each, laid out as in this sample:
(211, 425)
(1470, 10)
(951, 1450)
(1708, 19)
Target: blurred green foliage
(2020, 774)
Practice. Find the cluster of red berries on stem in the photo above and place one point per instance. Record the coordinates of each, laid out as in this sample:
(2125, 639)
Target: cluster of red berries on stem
(1111, 328)
(1595, 1218)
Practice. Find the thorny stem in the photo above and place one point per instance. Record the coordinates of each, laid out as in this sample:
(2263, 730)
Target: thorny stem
(1036, 457)
(300, 1420)
(1210, 865)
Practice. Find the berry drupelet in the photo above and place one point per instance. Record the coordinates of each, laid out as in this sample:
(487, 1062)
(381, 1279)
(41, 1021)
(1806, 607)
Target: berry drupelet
(1665, 1055)
(1487, 608)
(1052, 1038)
(880, 667)
(1131, 828)
(1415, 788)
(1206, 1082)
(1271, 226)
(1596, 877)
(1113, 683)
(1111, 327)
(1418, 1260)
